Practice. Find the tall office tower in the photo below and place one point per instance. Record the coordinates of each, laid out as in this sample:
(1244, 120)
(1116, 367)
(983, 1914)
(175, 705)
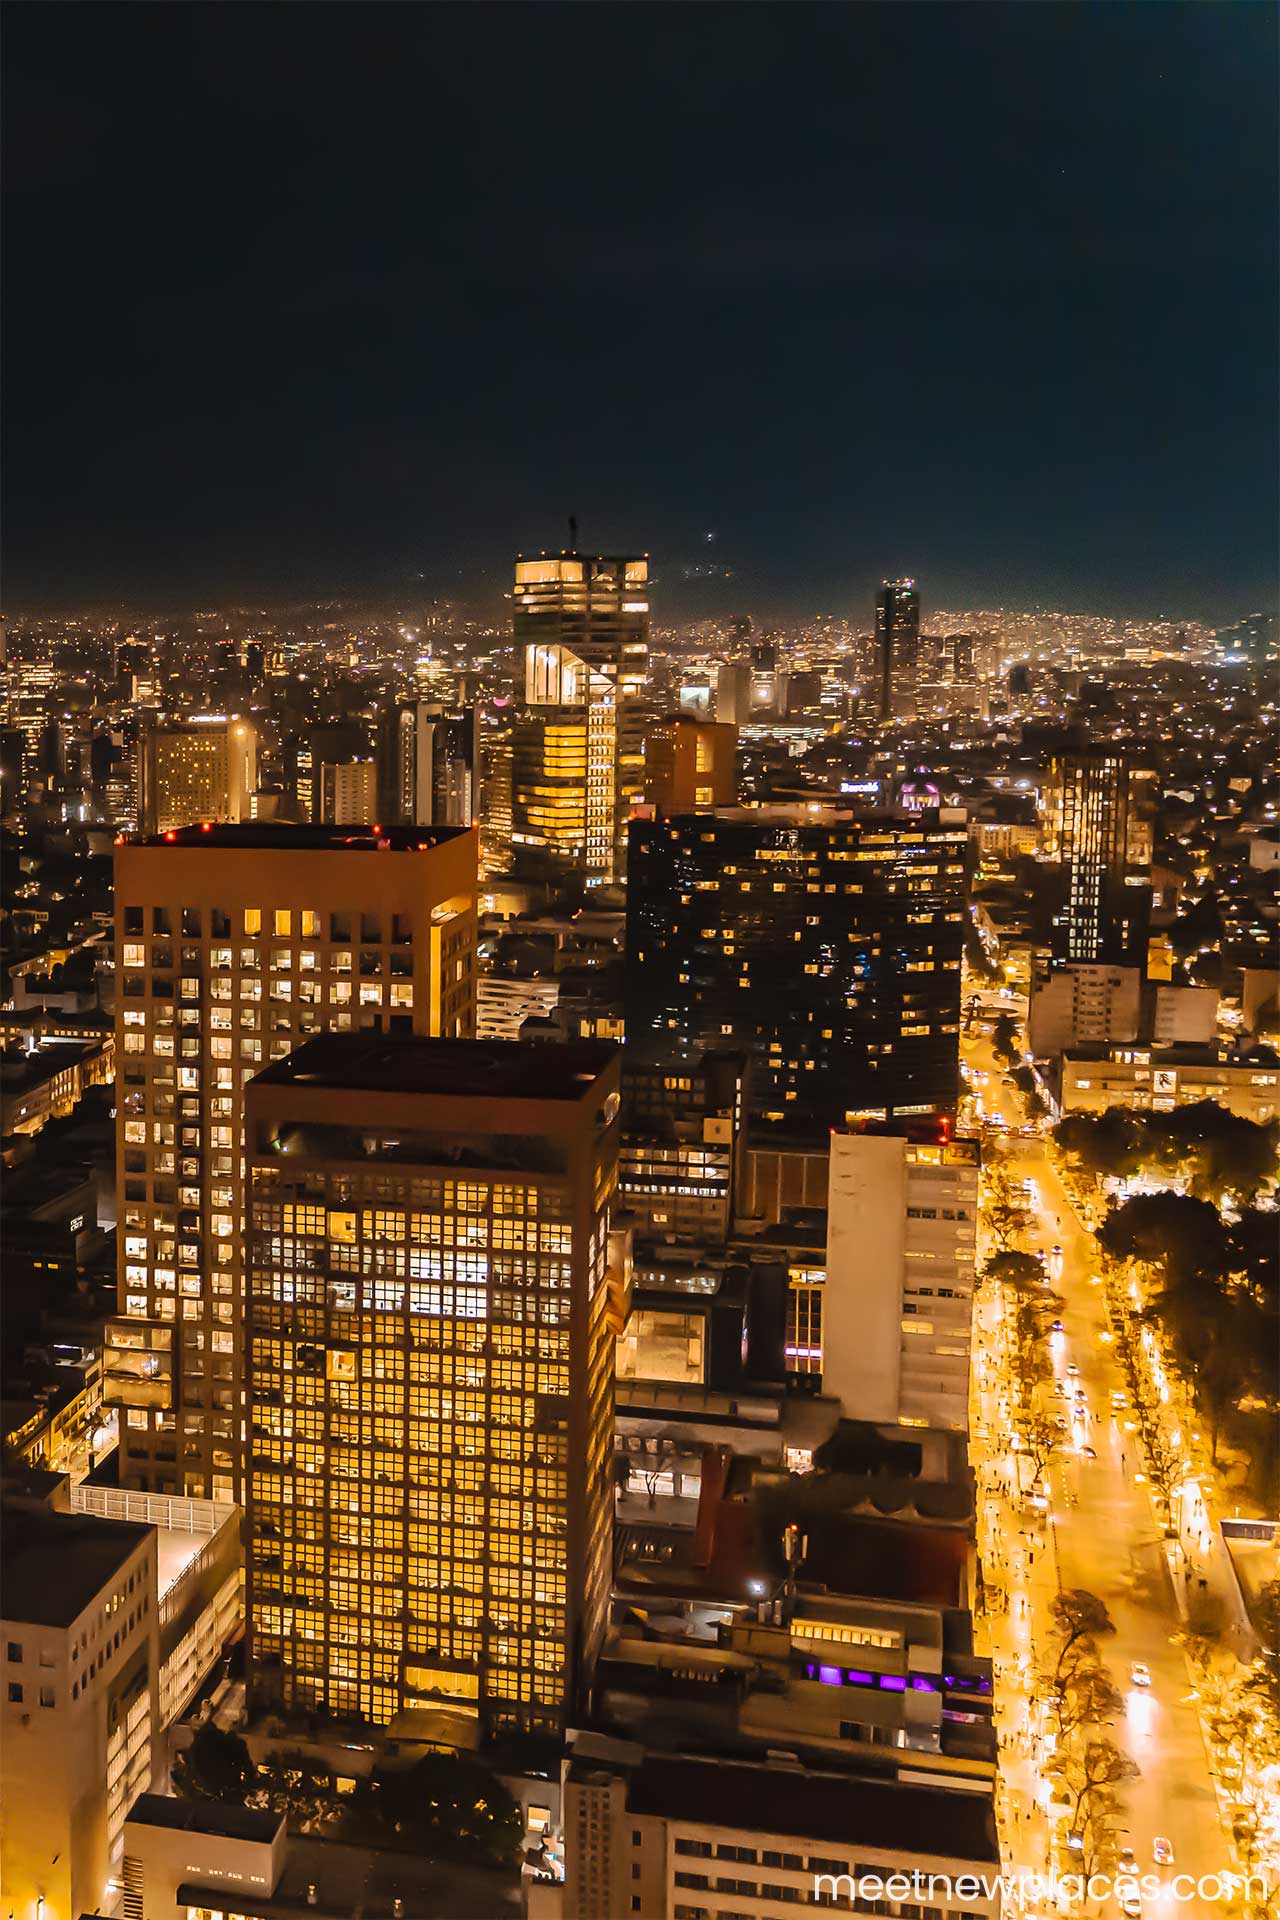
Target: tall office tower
(897, 647)
(203, 771)
(232, 945)
(429, 764)
(597, 606)
(826, 945)
(495, 786)
(348, 793)
(564, 772)
(432, 1312)
(897, 1301)
(1099, 810)
(690, 765)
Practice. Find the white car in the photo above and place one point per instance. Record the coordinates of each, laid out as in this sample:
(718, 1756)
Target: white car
(1162, 1851)
(1131, 1904)
(1140, 1674)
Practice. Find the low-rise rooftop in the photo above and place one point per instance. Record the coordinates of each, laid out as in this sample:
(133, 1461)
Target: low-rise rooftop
(286, 837)
(476, 1069)
(56, 1563)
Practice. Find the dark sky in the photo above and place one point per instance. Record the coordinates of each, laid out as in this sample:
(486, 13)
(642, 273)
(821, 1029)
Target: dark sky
(307, 298)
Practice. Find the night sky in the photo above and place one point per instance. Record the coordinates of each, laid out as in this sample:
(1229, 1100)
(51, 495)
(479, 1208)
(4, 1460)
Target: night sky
(309, 299)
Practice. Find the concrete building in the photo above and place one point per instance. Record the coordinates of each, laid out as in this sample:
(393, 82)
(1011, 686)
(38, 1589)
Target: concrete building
(205, 770)
(187, 1856)
(897, 1301)
(233, 944)
(1091, 1079)
(654, 1833)
(690, 765)
(433, 1304)
(1184, 1016)
(348, 793)
(1072, 1006)
(79, 1736)
(48, 1082)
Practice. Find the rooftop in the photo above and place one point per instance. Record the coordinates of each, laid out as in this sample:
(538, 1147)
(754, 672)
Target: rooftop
(55, 1564)
(476, 1069)
(284, 836)
(216, 1817)
(936, 1822)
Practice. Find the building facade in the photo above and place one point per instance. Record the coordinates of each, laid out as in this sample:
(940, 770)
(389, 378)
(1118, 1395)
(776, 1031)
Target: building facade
(897, 648)
(1098, 805)
(80, 1712)
(897, 1300)
(690, 765)
(825, 945)
(432, 1310)
(234, 944)
(1157, 1079)
(202, 771)
(596, 606)
(348, 793)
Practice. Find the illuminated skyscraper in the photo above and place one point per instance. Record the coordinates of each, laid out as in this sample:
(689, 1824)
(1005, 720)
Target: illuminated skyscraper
(1098, 803)
(232, 945)
(897, 647)
(597, 607)
(564, 797)
(824, 945)
(432, 1315)
(204, 771)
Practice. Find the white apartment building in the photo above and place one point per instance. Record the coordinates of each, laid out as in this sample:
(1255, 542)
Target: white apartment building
(897, 1305)
(79, 1736)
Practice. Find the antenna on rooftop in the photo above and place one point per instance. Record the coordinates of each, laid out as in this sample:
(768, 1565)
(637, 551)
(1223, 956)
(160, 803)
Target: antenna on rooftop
(573, 533)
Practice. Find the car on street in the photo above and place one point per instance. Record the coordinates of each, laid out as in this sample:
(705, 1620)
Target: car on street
(1162, 1851)
(1073, 1371)
(1089, 1453)
(1057, 1327)
(1140, 1674)
(1131, 1904)
(1128, 1860)
(1055, 1251)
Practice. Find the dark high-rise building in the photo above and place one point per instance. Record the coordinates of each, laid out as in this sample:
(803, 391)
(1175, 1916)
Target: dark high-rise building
(433, 1302)
(897, 647)
(824, 945)
(1099, 807)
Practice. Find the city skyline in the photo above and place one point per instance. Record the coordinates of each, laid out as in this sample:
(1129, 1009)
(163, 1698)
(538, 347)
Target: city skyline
(1027, 357)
